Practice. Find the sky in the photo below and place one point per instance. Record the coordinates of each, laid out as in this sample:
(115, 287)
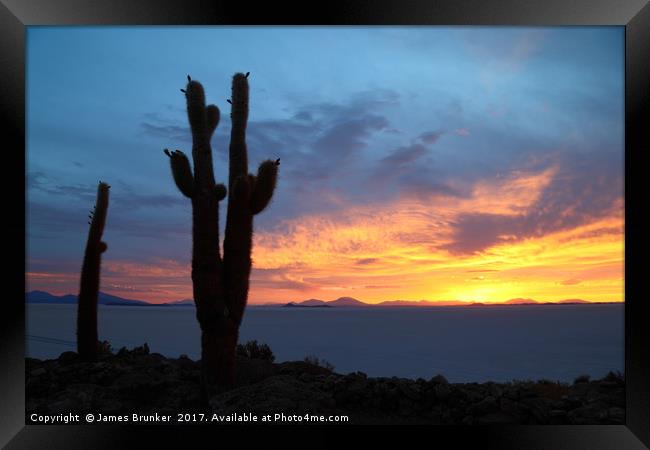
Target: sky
(417, 163)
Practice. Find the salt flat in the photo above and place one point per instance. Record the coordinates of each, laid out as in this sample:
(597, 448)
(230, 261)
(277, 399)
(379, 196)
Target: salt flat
(466, 344)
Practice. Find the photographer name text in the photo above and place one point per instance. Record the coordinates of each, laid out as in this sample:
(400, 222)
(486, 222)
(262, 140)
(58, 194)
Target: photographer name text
(182, 417)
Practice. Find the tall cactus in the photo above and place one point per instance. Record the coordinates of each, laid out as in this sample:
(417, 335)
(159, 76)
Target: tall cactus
(87, 343)
(220, 285)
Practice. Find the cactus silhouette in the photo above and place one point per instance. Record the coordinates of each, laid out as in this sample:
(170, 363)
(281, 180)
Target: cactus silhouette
(87, 342)
(220, 285)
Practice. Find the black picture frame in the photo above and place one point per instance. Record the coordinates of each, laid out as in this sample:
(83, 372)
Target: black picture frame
(634, 15)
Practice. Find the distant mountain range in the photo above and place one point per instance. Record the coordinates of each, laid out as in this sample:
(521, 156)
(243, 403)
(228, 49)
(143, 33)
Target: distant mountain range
(530, 301)
(315, 303)
(349, 301)
(104, 299)
(107, 299)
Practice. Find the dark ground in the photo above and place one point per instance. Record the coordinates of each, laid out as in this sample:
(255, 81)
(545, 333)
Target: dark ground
(136, 381)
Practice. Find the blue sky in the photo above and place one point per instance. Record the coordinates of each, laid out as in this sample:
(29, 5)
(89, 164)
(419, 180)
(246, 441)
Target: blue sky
(360, 116)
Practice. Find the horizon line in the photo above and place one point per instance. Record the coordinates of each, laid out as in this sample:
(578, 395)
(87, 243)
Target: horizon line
(421, 302)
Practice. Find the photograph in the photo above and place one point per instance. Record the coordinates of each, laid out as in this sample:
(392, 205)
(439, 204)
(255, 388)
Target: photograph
(325, 224)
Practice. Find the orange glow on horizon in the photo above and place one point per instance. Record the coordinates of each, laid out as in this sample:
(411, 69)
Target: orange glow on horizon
(399, 250)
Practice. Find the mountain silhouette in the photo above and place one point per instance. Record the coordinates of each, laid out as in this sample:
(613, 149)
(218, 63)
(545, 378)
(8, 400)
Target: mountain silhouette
(43, 297)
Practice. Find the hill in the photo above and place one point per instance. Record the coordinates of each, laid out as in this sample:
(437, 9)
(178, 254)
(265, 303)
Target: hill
(71, 299)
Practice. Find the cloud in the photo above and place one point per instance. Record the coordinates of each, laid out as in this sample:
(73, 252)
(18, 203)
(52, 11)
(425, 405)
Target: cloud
(502, 53)
(281, 279)
(428, 244)
(404, 155)
(430, 137)
(40, 181)
(570, 193)
(474, 232)
(382, 286)
(366, 261)
(338, 145)
(571, 281)
(50, 220)
(68, 223)
(317, 143)
(171, 133)
(122, 195)
(409, 240)
(409, 170)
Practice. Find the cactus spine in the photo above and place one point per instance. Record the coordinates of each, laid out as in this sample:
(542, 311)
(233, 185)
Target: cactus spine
(87, 340)
(220, 285)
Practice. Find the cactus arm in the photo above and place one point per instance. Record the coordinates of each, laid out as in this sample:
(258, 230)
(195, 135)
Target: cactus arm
(238, 238)
(239, 117)
(212, 118)
(196, 112)
(182, 172)
(264, 187)
(220, 191)
(87, 337)
(201, 125)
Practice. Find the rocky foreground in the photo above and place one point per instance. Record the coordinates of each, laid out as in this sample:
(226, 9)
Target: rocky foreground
(137, 381)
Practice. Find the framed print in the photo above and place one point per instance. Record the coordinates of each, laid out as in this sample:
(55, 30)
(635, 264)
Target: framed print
(346, 216)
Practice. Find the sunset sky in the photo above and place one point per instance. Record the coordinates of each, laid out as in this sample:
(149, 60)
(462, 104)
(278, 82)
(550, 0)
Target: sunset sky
(437, 163)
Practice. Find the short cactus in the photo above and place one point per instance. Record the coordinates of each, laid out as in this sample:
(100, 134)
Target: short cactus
(221, 285)
(87, 340)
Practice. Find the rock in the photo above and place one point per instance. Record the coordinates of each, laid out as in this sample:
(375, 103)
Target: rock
(558, 417)
(473, 395)
(495, 390)
(616, 415)
(137, 380)
(495, 418)
(38, 372)
(139, 386)
(513, 409)
(571, 402)
(527, 392)
(68, 357)
(37, 386)
(410, 390)
(357, 376)
(112, 406)
(592, 413)
(435, 414)
(510, 392)
(251, 371)
(487, 405)
(582, 379)
(294, 367)
(278, 394)
(328, 402)
(405, 407)
(78, 397)
(468, 420)
(538, 409)
(439, 379)
(443, 392)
